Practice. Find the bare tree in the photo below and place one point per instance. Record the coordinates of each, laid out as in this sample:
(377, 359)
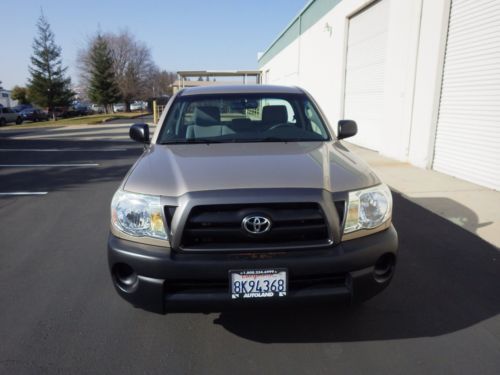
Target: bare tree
(159, 82)
(132, 63)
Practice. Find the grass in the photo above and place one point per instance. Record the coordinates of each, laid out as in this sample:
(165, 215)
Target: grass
(81, 120)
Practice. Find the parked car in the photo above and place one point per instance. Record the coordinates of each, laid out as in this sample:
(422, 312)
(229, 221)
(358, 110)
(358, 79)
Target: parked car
(72, 111)
(119, 107)
(138, 106)
(60, 112)
(81, 109)
(34, 114)
(223, 211)
(8, 115)
(21, 107)
(96, 108)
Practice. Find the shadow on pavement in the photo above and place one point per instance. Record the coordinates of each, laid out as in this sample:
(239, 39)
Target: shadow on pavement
(454, 211)
(447, 279)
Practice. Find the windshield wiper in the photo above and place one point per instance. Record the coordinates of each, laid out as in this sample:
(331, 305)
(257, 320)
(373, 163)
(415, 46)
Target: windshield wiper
(277, 139)
(190, 141)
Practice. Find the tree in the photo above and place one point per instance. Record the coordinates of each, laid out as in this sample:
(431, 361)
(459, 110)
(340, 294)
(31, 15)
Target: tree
(132, 62)
(48, 85)
(102, 88)
(132, 65)
(20, 94)
(159, 83)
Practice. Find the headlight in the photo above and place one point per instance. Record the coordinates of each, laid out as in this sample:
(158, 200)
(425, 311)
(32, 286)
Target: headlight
(138, 215)
(368, 208)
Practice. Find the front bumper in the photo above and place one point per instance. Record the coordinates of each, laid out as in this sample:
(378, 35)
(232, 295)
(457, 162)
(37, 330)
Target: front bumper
(165, 280)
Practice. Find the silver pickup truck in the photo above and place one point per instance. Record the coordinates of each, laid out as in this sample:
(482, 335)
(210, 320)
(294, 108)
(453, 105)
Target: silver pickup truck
(8, 115)
(244, 197)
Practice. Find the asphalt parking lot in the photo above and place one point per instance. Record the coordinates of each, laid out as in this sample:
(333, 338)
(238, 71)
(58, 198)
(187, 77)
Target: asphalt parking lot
(60, 314)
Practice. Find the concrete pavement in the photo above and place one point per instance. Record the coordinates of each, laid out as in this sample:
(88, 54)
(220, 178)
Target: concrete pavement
(470, 206)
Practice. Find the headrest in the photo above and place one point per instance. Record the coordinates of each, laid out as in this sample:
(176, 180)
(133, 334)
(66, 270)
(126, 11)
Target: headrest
(274, 114)
(205, 116)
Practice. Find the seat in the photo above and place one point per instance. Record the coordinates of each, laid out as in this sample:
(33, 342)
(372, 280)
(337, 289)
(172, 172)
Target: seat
(206, 123)
(274, 114)
(207, 116)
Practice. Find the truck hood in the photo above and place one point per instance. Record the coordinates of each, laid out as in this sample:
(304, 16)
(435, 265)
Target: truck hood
(174, 170)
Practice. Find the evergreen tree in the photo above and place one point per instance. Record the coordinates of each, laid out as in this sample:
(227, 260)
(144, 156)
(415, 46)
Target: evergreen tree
(103, 88)
(48, 85)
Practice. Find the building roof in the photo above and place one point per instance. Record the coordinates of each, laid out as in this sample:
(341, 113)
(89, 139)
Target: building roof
(218, 73)
(308, 16)
(195, 83)
(241, 89)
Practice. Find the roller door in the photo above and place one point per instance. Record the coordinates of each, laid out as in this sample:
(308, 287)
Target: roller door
(365, 68)
(468, 131)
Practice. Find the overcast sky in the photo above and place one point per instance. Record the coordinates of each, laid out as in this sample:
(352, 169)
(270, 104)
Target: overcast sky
(182, 34)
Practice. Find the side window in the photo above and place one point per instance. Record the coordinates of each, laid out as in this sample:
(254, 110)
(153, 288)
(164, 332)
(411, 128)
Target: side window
(172, 124)
(314, 120)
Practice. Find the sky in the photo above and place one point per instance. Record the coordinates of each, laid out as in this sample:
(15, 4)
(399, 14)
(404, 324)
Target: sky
(182, 34)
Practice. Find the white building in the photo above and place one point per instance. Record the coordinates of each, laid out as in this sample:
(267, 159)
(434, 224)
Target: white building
(420, 77)
(5, 99)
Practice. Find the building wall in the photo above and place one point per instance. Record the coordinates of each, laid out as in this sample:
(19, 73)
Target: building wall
(316, 58)
(6, 100)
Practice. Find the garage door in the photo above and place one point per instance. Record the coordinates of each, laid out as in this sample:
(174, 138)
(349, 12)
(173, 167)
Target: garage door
(365, 68)
(468, 132)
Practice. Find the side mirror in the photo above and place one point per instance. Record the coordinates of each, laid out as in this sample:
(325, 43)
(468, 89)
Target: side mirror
(139, 133)
(347, 128)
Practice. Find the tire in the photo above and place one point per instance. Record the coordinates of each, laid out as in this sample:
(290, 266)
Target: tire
(2, 121)
(19, 121)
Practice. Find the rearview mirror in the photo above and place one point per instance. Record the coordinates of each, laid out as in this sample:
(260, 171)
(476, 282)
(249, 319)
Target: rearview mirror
(347, 128)
(139, 133)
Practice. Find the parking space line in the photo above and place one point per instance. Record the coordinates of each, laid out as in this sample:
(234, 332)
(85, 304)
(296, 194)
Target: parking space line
(24, 193)
(47, 165)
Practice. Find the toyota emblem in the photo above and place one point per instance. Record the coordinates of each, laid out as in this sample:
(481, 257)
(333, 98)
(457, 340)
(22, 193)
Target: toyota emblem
(256, 224)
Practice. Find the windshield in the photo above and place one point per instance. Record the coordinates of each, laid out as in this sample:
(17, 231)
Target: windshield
(242, 118)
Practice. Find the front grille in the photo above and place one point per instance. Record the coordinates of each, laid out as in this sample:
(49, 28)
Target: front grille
(219, 227)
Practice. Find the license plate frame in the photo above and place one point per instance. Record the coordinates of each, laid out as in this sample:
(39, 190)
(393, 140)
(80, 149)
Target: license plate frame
(262, 286)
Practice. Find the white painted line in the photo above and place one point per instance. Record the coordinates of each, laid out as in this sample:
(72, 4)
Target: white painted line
(61, 149)
(47, 165)
(25, 193)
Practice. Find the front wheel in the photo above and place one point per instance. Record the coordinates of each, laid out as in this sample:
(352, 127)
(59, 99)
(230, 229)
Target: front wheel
(19, 121)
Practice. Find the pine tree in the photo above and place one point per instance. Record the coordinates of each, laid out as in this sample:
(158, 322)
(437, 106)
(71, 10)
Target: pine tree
(103, 88)
(48, 86)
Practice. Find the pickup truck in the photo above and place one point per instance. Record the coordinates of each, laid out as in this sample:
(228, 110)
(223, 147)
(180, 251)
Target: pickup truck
(244, 196)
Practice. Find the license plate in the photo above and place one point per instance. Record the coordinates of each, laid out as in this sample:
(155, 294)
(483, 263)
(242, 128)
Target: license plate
(258, 283)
